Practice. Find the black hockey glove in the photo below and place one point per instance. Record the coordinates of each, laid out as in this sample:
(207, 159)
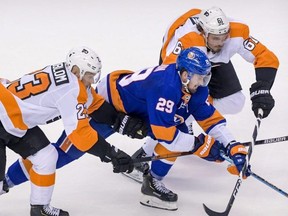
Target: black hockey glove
(130, 126)
(121, 161)
(261, 98)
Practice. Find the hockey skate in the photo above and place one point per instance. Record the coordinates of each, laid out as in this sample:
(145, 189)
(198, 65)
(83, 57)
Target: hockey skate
(156, 195)
(46, 210)
(139, 168)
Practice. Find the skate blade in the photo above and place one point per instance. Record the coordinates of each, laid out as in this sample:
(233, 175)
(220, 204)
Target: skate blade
(135, 175)
(154, 202)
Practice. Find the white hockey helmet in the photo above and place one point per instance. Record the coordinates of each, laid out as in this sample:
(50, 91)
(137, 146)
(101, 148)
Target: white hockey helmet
(87, 61)
(213, 21)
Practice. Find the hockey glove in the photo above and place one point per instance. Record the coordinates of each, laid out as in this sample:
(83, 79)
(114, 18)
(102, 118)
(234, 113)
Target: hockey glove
(237, 152)
(261, 98)
(3, 187)
(208, 148)
(121, 161)
(130, 126)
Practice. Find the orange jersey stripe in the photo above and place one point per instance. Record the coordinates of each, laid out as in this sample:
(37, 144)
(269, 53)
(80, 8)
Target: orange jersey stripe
(98, 100)
(42, 180)
(164, 133)
(65, 145)
(84, 136)
(161, 150)
(12, 108)
(263, 56)
(115, 97)
(214, 119)
(180, 21)
(189, 40)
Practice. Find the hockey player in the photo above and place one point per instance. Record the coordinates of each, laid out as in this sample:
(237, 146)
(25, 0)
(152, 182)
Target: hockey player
(221, 38)
(60, 90)
(20, 133)
(194, 102)
(103, 117)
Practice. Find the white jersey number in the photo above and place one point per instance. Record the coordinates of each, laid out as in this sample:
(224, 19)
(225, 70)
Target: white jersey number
(81, 114)
(140, 75)
(165, 105)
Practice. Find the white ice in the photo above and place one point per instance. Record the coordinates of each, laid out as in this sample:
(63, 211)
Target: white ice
(127, 34)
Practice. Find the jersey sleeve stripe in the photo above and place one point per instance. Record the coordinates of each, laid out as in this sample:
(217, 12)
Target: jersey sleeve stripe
(180, 21)
(164, 133)
(263, 56)
(12, 108)
(83, 136)
(115, 96)
(97, 102)
(216, 118)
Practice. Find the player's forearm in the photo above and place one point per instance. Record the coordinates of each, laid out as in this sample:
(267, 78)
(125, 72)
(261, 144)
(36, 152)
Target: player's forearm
(105, 114)
(266, 74)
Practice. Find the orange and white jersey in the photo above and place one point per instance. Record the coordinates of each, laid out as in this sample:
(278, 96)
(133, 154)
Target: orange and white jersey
(183, 33)
(53, 93)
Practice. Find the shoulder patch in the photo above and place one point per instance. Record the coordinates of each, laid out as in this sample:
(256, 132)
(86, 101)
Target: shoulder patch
(59, 74)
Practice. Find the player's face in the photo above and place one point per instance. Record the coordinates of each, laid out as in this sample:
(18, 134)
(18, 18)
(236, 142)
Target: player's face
(193, 82)
(88, 79)
(216, 42)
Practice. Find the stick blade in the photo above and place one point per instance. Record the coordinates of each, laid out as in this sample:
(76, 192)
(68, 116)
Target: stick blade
(213, 213)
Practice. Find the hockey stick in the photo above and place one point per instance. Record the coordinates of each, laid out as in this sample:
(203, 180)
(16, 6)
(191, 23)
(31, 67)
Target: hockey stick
(268, 184)
(268, 141)
(258, 177)
(158, 157)
(239, 180)
(179, 154)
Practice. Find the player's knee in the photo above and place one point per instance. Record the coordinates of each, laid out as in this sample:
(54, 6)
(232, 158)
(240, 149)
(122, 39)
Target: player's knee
(45, 160)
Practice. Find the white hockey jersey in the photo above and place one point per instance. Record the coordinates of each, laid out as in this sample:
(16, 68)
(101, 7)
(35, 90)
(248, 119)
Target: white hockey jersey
(47, 95)
(183, 33)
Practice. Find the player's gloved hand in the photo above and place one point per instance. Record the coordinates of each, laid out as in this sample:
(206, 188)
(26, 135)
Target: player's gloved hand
(208, 148)
(261, 98)
(130, 126)
(237, 152)
(3, 188)
(121, 161)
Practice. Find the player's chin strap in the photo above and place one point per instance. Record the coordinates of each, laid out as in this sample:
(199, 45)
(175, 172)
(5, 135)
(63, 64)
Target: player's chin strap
(242, 172)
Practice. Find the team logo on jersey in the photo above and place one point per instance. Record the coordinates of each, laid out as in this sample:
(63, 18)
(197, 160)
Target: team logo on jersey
(59, 74)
